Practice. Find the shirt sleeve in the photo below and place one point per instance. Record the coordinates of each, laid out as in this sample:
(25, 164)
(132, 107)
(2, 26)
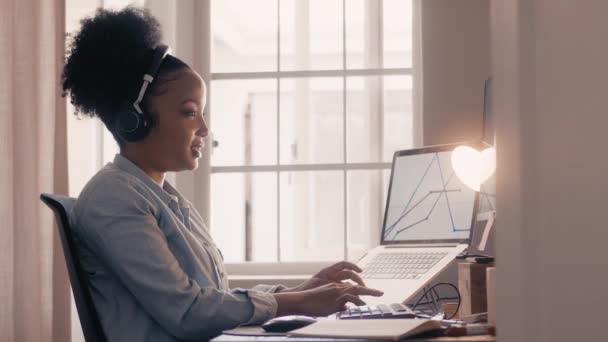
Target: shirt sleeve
(121, 228)
(269, 288)
(265, 305)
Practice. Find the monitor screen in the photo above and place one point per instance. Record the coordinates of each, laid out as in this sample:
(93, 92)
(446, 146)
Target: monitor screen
(426, 200)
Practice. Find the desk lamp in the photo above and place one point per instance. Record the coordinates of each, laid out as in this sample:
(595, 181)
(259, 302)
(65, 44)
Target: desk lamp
(473, 168)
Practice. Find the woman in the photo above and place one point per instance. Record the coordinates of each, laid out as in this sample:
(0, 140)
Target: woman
(153, 268)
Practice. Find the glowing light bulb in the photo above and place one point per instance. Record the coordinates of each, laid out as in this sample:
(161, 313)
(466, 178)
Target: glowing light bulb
(473, 167)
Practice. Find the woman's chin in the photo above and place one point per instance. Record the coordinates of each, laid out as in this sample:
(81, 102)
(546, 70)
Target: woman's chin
(196, 153)
(193, 162)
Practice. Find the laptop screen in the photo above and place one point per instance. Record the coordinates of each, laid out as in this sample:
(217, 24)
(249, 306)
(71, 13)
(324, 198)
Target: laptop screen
(426, 200)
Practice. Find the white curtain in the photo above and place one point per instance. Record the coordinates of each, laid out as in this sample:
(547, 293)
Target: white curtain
(34, 288)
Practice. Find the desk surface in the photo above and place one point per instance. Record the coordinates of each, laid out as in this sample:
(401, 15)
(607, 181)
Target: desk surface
(225, 338)
(239, 334)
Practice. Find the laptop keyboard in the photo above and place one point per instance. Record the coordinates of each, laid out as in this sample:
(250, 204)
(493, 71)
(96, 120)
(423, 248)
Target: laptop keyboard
(407, 265)
(394, 310)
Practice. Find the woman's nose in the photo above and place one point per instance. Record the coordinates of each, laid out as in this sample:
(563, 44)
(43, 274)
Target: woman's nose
(203, 129)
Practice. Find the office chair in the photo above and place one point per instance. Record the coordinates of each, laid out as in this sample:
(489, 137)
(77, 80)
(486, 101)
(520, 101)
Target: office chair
(89, 320)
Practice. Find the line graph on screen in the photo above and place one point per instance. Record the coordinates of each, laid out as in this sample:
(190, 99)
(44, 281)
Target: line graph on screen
(435, 186)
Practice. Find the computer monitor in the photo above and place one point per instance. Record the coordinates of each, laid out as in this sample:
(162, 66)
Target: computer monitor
(426, 201)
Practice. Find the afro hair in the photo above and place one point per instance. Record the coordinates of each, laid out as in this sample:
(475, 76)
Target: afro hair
(107, 58)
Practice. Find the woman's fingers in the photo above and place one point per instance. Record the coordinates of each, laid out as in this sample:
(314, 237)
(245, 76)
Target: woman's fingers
(348, 274)
(363, 291)
(349, 298)
(334, 296)
(344, 265)
(357, 290)
(350, 266)
(342, 271)
(351, 295)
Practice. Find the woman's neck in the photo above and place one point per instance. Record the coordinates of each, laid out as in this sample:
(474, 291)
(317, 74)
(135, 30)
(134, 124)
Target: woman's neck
(144, 164)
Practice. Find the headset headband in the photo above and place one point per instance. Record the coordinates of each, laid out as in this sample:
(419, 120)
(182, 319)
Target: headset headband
(160, 52)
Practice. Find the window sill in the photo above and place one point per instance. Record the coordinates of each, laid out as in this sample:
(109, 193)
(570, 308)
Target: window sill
(248, 281)
(275, 269)
(249, 274)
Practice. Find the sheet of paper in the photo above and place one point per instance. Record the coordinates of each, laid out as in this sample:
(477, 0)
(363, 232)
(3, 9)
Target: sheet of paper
(385, 329)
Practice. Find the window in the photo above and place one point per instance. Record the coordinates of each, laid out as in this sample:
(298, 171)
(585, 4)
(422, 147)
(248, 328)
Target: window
(308, 101)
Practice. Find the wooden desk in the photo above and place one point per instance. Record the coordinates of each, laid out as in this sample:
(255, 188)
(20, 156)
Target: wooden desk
(226, 338)
(277, 337)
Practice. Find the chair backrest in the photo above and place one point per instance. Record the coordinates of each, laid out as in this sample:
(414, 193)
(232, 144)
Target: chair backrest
(89, 320)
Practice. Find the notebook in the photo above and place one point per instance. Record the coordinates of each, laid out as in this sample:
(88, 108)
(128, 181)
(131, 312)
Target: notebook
(384, 329)
(427, 222)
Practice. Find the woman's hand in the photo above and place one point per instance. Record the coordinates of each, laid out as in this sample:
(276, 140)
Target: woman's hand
(323, 300)
(335, 273)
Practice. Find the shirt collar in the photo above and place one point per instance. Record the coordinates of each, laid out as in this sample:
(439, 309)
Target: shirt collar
(167, 193)
(175, 195)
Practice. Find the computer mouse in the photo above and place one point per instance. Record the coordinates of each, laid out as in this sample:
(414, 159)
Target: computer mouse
(287, 323)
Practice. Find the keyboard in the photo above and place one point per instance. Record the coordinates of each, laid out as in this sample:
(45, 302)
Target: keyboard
(395, 310)
(406, 265)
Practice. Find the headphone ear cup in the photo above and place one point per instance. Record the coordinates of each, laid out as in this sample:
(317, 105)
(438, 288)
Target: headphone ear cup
(132, 126)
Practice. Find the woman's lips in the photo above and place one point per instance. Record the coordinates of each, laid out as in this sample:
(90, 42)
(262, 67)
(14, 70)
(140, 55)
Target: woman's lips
(198, 149)
(198, 145)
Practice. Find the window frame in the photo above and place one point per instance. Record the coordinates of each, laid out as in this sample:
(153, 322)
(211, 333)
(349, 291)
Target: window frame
(376, 56)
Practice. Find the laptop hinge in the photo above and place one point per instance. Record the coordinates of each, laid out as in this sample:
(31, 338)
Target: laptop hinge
(422, 246)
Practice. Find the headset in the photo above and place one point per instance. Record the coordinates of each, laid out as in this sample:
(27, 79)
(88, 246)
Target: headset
(132, 123)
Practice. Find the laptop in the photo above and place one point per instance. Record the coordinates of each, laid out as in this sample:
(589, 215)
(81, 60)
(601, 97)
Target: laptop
(427, 223)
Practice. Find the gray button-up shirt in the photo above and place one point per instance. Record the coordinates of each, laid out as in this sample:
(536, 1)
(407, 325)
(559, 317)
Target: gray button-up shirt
(154, 271)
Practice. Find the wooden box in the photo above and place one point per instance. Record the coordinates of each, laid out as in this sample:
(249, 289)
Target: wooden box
(472, 287)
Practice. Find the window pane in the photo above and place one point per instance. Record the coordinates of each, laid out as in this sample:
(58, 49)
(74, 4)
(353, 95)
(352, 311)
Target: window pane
(397, 33)
(311, 120)
(311, 34)
(244, 35)
(359, 28)
(263, 216)
(363, 119)
(364, 211)
(243, 113)
(245, 202)
(367, 193)
(398, 115)
(312, 216)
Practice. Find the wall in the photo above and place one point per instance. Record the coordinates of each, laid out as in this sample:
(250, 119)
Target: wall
(550, 66)
(456, 62)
